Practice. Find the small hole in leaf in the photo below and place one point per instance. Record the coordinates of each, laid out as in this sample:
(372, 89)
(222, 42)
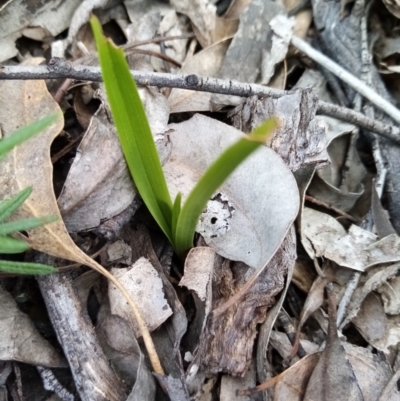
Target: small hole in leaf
(213, 220)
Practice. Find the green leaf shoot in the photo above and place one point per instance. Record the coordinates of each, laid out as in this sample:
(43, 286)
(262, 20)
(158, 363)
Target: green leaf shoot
(25, 268)
(211, 180)
(134, 131)
(12, 245)
(25, 224)
(8, 206)
(176, 221)
(25, 133)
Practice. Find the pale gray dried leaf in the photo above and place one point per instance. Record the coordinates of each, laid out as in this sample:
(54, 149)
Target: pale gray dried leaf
(144, 284)
(173, 24)
(198, 271)
(202, 14)
(137, 9)
(119, 251)
(174, 388)
(20, 340)
(80, 17)
(243, 58)
(281, 343)
(333, 377)
(374, 278)
(281, 27)
(329, 184)
(98, 185)
(314, 300)
(380, 216)
(372, 372)
(381, 331)
(322, 235)
(54, 16)
(256, 228)
(230, 384)
(128, 361)
(390, 293)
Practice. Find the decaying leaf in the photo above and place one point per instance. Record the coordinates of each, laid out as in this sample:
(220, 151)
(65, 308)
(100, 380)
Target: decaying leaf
(256, 228)
(333, 377)
(243, 58)
(20, 340)
(202, 15)
(266, 327)
(198, 271)
(341, 182)
(282, 27)
(144, 284)
(238, 323)
(17, 18)
(358, 249)
(121, 347)
(98, 185)
(230, 385)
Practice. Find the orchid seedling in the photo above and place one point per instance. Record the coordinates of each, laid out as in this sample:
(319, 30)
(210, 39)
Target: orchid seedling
(177, 221)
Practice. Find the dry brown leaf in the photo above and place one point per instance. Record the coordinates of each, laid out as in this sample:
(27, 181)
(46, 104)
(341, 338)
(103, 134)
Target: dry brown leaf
(314, 300)
(333, 377)
(292, 383)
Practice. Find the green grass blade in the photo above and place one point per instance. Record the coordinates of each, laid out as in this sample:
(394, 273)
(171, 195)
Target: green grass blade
(25, 133)
(8, 206)
(25, 224)
(176, 210)
(133, 130)
(25, 268)
(211, 180)
(12, 245)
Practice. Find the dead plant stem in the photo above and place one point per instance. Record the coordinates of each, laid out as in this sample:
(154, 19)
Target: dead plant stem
(59, 68)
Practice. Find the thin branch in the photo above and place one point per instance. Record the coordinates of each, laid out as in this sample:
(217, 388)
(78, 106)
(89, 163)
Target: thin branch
(59, 68)
(348, 78)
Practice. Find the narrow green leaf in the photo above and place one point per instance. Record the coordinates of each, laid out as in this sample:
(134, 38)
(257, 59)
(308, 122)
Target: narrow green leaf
(12, 245)
(25, 133)
(25, 268)
(133, 130)
(25, 224)
(176, 210)
(8, 206)
(211, 180)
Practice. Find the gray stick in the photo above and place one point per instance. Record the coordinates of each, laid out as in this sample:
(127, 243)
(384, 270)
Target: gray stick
(59, 68)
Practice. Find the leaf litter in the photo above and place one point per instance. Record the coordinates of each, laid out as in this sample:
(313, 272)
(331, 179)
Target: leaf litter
(241, 310)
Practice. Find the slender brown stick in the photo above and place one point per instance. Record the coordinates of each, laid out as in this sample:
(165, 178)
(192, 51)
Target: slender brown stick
(59, 68)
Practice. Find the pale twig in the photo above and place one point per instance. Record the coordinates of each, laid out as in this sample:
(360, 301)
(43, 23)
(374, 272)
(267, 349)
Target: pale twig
(348, 78)
(63, 69)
